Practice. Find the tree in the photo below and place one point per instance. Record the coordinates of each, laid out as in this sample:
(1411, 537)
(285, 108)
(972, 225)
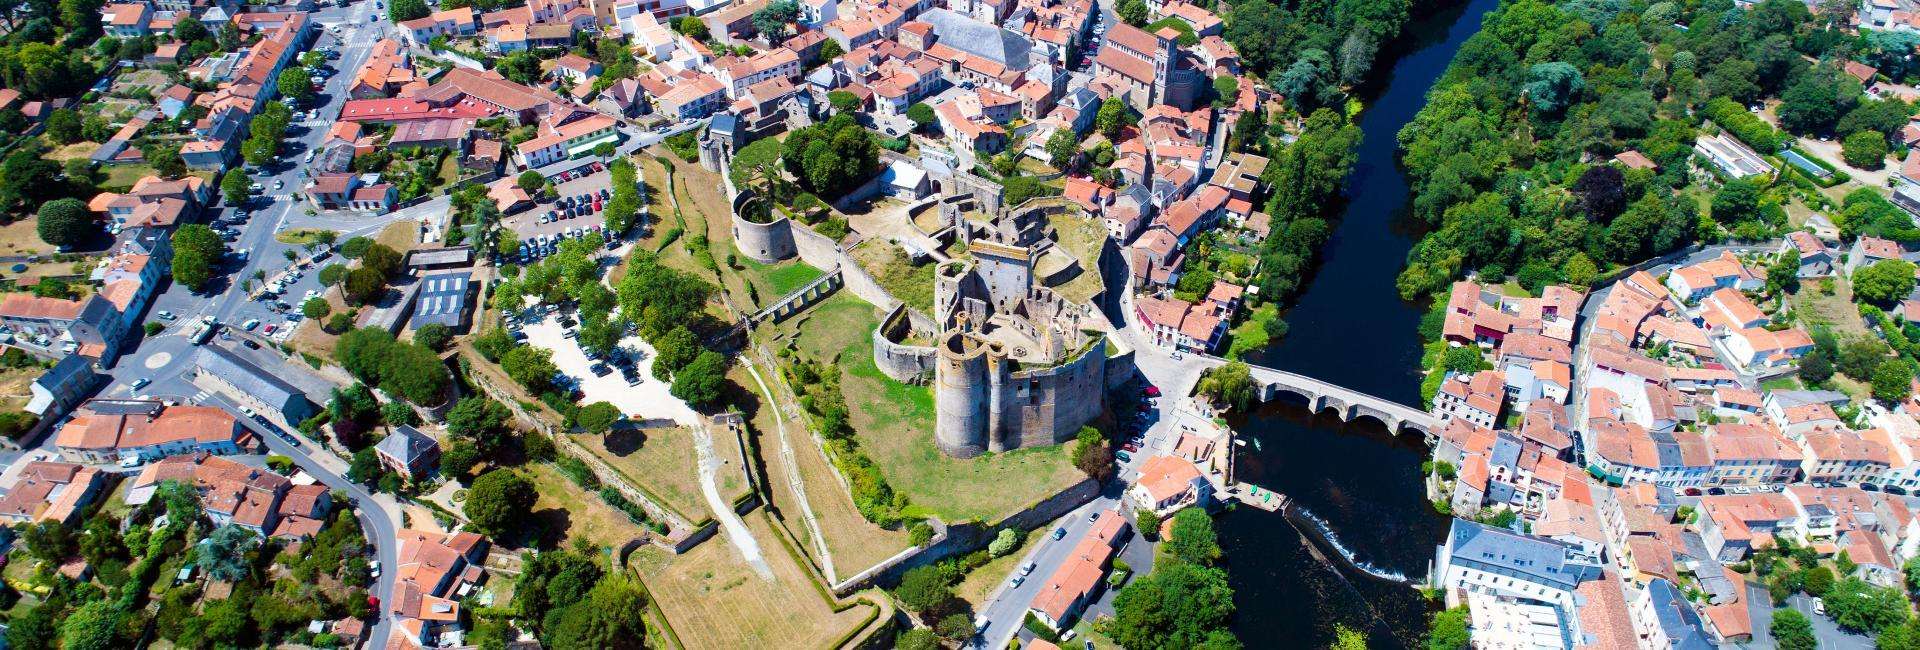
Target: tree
(65, 222)
(921, 114)
(1111, 117)
(1865, 149)
(196, 249)
(1552, 86)
(531, 366)
(1133, 12)
(1180, 605)
(1862, 607)
(954, 627)
(499, 501)
(479, 419)
(400, 11)
(1092, 454)
(1783, 275)
(363, 286)
(598, 417)
(692, 27)
(916, 639)
(1148, 522)
(296, 83)
(315, 308)
(1004, 542)
(1892, 381)
(433, 335)
(95, 626)
(1737, 200)
(381, 258)
(771, 21)
(1817, 366)
(1192, 538)
(531, 181)
(1226, 90)
(235, 186)
(843, 101)
(923, 588)
(332, 274)
(1448, 631)
(610, 616)
(1230, 385)
(1602, 192)
(458, 461)
(224, 553)
(354, 247)
(1346, 638)
(63, 126)
(1884, 282)
(1812, 105)
(701, 382)
(1062, 146)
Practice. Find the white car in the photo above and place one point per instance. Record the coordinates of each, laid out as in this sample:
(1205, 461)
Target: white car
(279, 184)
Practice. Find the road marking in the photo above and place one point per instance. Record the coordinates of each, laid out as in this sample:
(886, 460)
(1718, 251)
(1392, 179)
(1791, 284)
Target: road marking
(157, 360)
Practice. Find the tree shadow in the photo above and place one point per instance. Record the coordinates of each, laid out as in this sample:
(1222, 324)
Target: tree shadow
(622, 441)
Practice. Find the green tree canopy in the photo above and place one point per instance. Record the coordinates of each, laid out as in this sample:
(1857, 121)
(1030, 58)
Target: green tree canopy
(499, 501)
(65, 222)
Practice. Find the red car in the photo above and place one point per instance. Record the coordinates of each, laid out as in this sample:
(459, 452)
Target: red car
(271, 328)
(1152, 391)
(374, 602)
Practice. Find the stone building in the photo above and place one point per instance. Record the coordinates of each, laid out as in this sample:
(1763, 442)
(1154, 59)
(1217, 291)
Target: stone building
(1013, 363)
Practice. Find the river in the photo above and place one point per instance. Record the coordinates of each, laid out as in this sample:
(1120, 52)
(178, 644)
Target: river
(1350, 327)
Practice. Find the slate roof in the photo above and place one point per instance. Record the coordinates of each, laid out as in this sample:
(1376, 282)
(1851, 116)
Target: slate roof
(407, 444)
(1505, 552)
(249, 378)
(442, 299)
(1002, 46)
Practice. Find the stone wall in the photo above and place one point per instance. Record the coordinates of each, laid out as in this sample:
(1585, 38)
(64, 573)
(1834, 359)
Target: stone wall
(912, 364)
(1054, 402)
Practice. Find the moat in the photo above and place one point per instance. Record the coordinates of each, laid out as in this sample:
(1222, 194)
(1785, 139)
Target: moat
(1350, 328)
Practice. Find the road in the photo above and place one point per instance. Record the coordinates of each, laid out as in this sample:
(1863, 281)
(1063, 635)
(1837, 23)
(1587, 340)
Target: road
(166, 360)
(1007, 607)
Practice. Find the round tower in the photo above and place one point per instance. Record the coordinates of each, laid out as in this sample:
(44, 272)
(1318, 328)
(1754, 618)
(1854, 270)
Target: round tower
(961, 380)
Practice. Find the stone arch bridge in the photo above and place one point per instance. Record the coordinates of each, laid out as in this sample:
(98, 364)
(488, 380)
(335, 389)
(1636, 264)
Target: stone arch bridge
(1349, 404)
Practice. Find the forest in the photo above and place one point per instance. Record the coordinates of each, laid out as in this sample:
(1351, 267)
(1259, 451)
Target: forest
(1510, 158)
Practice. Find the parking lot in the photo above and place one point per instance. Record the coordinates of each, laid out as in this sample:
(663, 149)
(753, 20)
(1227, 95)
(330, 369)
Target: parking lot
(576, 213)
(646, 400)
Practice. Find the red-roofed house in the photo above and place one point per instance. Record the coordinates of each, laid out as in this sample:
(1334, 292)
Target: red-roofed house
(1076, 583)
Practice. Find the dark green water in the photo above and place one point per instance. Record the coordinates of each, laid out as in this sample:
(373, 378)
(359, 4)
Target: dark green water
(1351, 328)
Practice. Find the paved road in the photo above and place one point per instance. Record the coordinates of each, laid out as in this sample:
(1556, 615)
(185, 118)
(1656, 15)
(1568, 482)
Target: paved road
(1007, 607)
(737, 531)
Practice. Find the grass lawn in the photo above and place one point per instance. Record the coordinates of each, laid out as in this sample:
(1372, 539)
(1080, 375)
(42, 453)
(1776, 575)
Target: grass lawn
(581, 515)
(894, 422)
(125, 175)
(63, 153)
(772, 281)
(660, 460)
(401, 236)
(1837, 311)
(889, 266)
(854, 542)
(715, 600)
(300, 236)
(22, 238)
(980, 583)
(1081, 237)
(1789, 382)
(689, 221)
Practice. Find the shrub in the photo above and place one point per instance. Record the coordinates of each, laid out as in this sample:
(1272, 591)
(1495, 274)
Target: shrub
(1743, 125)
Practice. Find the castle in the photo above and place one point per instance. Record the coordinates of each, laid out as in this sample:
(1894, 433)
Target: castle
(1013, 363)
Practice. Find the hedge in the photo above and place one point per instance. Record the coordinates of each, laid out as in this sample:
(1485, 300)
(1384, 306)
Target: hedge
(1744, 125)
